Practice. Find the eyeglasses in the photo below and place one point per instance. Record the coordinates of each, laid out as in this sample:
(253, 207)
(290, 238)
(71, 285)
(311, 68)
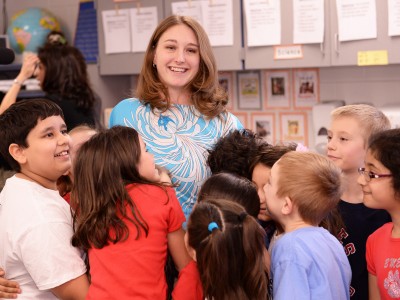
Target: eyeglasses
(368, 175)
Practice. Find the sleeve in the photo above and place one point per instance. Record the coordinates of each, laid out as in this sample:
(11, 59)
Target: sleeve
(176, 216)
(369, 254)
(236, 124)
(121, 113)
(188, 286)
(48, 255)
(290, 281)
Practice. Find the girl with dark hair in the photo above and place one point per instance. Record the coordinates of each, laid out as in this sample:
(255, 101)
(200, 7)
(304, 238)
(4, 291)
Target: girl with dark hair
(125, 219)
(61, 71)
(228, 246)
(237, 188)
(380, 182)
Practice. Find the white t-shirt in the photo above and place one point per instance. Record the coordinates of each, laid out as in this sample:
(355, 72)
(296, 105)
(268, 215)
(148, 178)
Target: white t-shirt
(35, 235)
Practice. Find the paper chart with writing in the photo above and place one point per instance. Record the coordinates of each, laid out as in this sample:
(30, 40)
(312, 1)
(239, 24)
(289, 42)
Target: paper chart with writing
(394, 17)
(308, 18)
(356, 19)
(263, 22)
(143, 22)
(116, 31)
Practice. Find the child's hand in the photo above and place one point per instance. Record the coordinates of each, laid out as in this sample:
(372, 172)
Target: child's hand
(8, 289)
(164, 175)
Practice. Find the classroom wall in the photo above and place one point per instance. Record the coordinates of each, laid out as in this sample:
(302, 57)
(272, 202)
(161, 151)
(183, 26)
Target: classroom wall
(378, 85)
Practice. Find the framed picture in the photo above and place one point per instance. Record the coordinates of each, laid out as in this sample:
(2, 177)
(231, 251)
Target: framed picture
(226, 81)
(277, 89)
(242, 116)
(264, 125)
(294, 127)
(249, 90)
(305, 87)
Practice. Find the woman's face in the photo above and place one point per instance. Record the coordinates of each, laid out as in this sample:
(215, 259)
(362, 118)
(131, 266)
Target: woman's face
(177, 58)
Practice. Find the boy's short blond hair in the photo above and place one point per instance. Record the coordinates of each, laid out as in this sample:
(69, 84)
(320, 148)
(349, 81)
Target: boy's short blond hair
(371, 119)
(313, 183)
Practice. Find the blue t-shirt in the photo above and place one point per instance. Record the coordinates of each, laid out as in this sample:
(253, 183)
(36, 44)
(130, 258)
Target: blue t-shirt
(310, 263)
(179, 139)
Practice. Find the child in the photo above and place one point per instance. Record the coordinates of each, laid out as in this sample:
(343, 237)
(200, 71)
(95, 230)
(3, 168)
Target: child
(380, 182)
(348, 135)
(239, 189)
(78, 135)
(228, 246)
(124, 218)
(307, 261)
(234, 153)
(35, 222)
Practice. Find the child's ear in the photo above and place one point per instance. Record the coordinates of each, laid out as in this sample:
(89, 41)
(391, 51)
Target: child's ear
(287, 207)
(18, 153)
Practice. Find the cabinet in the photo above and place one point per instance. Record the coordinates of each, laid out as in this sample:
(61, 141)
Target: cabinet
(345, 53)
(238, 56)
(121, 63)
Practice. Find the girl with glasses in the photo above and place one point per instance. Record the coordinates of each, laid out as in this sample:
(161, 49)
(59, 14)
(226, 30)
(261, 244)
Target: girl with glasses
(380, 182)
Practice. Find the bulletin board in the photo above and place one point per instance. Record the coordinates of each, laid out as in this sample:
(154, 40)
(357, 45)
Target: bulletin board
(121, 63)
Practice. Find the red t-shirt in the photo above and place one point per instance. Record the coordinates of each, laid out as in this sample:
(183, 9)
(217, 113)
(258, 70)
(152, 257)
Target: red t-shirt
(189, 285)
(383, 261)
(134, 269)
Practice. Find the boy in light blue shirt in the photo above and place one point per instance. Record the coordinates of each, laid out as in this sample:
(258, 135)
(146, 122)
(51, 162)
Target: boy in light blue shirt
(307, 261)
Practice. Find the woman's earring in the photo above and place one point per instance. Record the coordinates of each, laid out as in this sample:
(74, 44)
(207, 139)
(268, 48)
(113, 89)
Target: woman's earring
(154, 65)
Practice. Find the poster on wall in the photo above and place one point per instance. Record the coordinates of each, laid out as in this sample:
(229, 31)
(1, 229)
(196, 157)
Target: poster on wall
(305, 88)
(249, 91)
(226, 82)
(277, 87)
(264, 125)
(294, 127)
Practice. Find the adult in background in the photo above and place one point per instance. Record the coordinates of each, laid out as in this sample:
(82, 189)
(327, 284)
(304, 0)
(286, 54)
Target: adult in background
(179, 109)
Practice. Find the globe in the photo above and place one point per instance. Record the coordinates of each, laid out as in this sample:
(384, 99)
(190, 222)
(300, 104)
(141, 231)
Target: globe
(28, 29)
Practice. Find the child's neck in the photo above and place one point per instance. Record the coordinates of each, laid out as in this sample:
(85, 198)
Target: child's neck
(45, 182)
(294, 225)
(352, 190)
(396, 223)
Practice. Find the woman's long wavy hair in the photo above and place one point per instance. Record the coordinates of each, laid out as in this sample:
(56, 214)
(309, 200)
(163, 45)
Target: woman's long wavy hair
(103, 167)
(207, 96)
(66, 74)
(230, 258)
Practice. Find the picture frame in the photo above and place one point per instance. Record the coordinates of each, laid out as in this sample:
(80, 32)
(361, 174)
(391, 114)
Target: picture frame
(243, 118)
(277, 89)
(305, 88)
(294, 127)
(225, 80)
(249, 90)
(264, 125)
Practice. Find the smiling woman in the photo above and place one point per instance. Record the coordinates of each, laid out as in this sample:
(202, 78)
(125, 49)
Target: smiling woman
(179, 109)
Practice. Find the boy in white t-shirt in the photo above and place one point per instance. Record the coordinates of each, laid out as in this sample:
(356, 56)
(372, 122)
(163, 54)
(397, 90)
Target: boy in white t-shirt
(35, 221)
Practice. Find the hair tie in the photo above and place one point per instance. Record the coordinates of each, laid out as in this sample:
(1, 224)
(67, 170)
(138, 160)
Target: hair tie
(212, 226)
(301, 148)
(242, 216)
